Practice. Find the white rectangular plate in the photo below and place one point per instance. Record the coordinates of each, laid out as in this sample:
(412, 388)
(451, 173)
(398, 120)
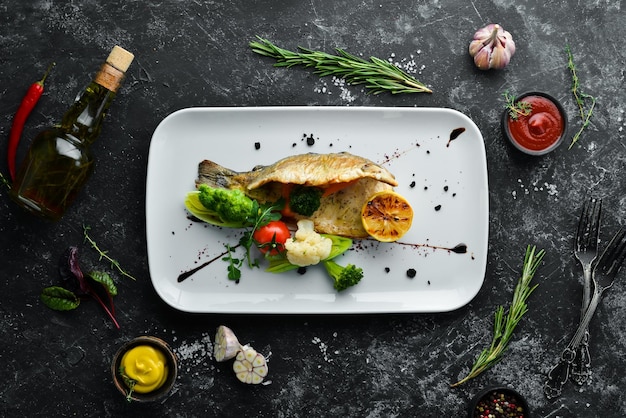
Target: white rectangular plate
(445, 180)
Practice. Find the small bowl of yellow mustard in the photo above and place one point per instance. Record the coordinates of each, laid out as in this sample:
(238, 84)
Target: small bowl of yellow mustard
(144, 369)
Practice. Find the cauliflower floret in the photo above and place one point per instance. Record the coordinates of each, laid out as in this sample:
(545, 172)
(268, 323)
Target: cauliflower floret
(307, 247)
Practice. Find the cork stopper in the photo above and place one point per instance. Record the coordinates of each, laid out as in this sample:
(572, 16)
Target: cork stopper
(120, 58)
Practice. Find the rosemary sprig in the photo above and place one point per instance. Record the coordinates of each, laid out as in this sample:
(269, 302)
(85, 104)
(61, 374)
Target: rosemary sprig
(516, 109)
(377, 75)
(4, 181)
(505, 323)
(580, 97)
(103, 254)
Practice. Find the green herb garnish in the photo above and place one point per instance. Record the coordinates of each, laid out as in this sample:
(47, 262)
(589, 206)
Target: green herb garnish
(130, 383)
(262, 215)
(59, 298)
(505, 323)
(5, 181)
(516, 108)
(97, 285)
(103, 254)
(580, 97)
(105, 280)
(234, 263)
(377, 75)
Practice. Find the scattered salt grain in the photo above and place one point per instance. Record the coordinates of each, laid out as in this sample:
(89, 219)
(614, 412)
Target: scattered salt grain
(537, 187)
(323, 349)
(195, 352)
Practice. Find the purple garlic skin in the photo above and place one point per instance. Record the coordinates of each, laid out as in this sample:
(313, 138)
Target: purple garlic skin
(492, 47)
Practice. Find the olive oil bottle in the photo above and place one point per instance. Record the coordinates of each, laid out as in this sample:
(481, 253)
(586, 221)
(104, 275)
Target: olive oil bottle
(59, 161)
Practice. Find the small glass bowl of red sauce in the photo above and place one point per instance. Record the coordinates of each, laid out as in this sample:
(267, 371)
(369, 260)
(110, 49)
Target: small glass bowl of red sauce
(541, 130)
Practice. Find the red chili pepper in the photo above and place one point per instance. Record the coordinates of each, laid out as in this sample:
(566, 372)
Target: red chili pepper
(19, 119)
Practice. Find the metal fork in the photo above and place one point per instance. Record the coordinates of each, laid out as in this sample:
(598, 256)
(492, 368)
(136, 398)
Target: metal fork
(604, 275)
(586, 251)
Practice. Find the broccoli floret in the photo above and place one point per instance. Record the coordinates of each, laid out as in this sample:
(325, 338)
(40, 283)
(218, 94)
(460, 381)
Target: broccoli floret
(343, 277)
(305, 200)
(223, 207)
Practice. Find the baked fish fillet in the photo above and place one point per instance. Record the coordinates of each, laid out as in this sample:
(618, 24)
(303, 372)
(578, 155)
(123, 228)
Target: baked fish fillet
(339, 212)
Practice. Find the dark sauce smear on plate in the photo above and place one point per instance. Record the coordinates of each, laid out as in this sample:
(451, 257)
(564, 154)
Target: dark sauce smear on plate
(187, 274)
(458, 249)
(455, 134)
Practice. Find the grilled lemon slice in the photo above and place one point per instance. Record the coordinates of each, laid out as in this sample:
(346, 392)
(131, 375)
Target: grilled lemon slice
(387, 216)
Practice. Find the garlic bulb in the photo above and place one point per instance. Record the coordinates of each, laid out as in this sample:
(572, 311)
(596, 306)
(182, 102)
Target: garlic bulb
(492, 47)
(250, 366)
(226, 344)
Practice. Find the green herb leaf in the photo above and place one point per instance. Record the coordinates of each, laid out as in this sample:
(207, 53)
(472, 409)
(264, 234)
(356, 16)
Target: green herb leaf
(505, 323)
(377, 75)
(105, 280)
(516, 108)
(234, 273)
(580, 97)
(103, 254)
(130, 383)
(234, 264)
(59, 299)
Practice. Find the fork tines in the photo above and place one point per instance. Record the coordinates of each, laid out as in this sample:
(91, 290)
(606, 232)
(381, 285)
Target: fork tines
(614, 255)
(589, 224)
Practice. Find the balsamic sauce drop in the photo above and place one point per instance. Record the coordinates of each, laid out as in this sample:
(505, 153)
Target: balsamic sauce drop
(457, 249)
(455, 134)
(185, 275)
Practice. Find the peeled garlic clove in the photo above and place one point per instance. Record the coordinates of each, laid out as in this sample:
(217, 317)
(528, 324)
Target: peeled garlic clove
(226, 344)
(250, 366)
(492, 47)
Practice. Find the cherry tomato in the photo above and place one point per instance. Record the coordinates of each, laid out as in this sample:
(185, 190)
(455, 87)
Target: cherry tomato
(271, 237)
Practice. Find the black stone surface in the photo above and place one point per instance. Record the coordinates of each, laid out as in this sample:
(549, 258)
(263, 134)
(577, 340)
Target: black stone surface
(196, 54)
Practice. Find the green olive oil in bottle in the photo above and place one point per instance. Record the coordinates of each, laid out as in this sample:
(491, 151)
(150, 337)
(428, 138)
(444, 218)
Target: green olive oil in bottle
(59, 162)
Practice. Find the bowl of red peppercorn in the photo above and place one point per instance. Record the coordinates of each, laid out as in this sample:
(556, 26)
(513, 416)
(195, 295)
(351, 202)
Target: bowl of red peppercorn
(498, 402)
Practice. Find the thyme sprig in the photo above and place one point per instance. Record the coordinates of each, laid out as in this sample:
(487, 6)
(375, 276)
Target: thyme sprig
(585, 102)
(377, 75)
(505, 322)
(516, 109)
(104, 254)
(129, 382)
